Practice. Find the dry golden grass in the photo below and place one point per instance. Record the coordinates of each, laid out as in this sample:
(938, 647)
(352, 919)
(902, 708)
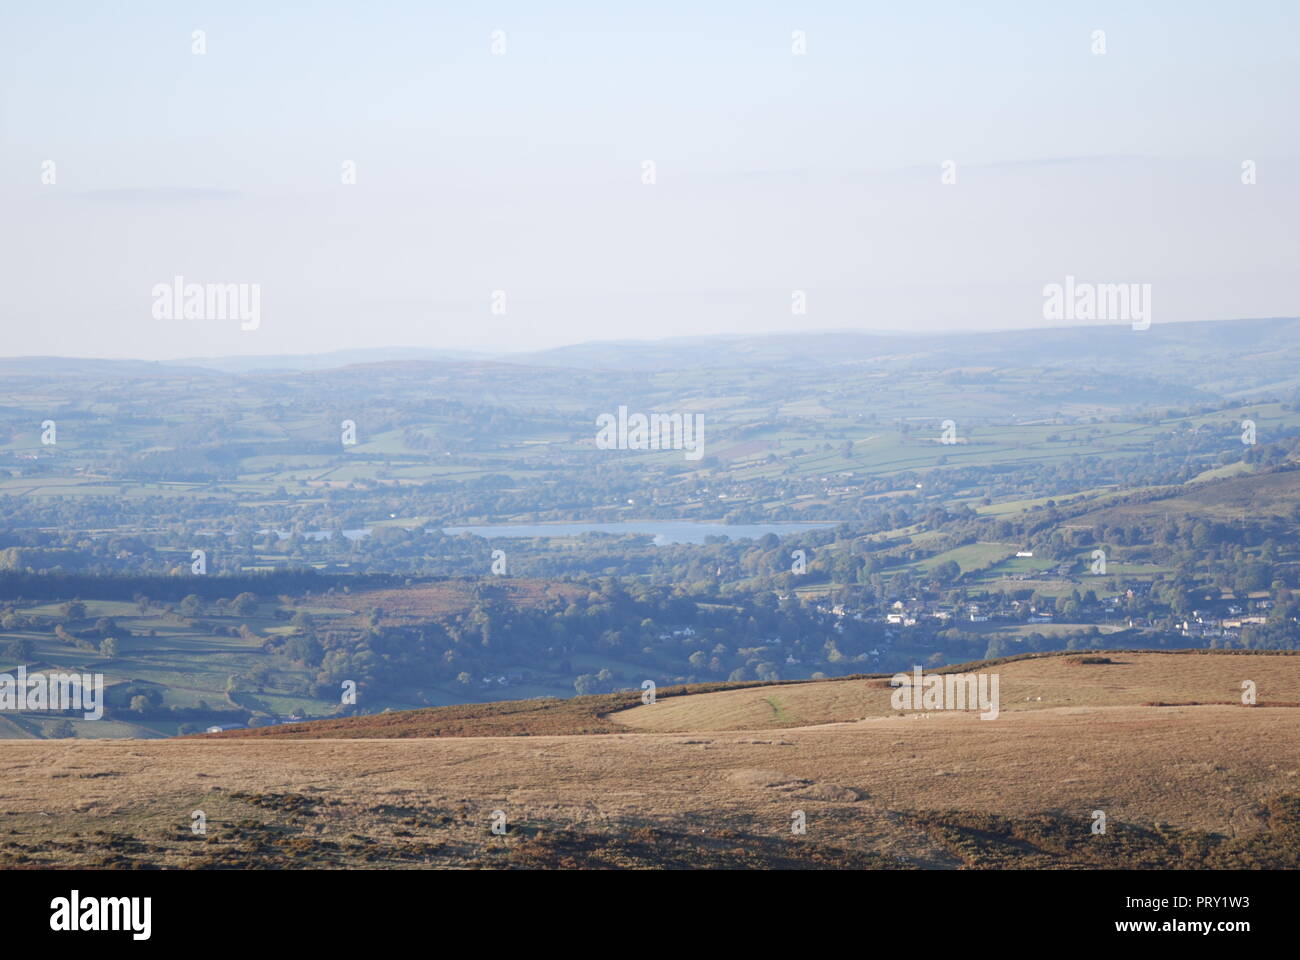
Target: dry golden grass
(1200, 786)
(1131, 679)
(1212, 768)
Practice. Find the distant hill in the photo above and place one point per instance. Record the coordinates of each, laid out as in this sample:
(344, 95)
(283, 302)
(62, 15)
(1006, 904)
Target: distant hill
(1270, 340)
(97, 368)
(1274, 493)
(326, 361)
(1267, 349)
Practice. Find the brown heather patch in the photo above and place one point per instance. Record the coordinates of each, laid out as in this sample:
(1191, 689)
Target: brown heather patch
(1051, 842)
(423, 601)
(658, 849)
(1222, 703)
(507, 718)
(512, 718)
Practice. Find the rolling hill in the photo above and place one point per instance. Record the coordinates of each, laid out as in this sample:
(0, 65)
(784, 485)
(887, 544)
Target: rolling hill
(596, 782)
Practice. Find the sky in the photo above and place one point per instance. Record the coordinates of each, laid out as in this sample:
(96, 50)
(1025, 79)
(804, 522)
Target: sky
(500, 199)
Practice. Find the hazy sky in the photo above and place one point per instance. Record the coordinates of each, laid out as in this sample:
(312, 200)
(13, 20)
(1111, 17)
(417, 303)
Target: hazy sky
(522, 171)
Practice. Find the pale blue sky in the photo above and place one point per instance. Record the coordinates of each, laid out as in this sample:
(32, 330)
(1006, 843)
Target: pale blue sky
(522, 172)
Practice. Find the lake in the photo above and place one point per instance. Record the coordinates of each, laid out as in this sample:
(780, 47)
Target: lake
(663, 531)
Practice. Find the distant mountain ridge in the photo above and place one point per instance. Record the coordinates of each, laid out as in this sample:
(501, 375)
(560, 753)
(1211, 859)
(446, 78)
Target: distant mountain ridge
(1042, 345)
(327, 361)
(1269, 345)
